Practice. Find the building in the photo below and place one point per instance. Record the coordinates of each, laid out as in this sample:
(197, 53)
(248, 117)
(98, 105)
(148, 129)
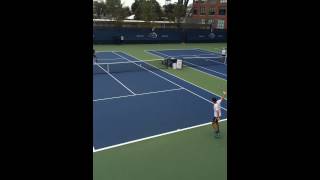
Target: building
(210, 12)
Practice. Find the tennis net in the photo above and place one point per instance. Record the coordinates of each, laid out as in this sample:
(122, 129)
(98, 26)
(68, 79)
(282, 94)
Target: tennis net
(130, 66)
(204, 61)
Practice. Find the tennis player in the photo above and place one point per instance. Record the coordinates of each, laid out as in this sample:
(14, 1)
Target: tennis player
(217, 113)
(94, 56)
(224, 52)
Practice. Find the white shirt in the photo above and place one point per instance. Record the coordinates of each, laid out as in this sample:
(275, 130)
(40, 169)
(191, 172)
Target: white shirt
(217, 108)
(224, 52)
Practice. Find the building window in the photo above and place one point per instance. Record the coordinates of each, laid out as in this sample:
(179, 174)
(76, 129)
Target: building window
(222, 12)
(211, 11)
(203, 21)
(202, 10)
(223, 1)
(195, 11)
(203, 1)
(196, 1)
(220, 24)
(210, 21)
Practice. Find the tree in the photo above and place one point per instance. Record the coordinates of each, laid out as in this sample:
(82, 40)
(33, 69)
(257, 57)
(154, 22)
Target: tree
(99, 9)
(184, 3)
(135, 5)
(180, 9)
(113, 8)
(148, 10)
(126, 11)
(176, 11)
(169, 11)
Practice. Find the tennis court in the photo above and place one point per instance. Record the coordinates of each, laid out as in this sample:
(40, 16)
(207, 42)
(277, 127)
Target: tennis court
(152, 122)
(134, 100)
(206, 61)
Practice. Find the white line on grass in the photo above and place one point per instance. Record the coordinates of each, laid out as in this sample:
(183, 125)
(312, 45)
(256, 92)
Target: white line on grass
(151, 137)
(154, 92)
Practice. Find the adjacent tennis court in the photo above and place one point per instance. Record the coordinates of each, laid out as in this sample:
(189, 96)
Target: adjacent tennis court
(210, 62)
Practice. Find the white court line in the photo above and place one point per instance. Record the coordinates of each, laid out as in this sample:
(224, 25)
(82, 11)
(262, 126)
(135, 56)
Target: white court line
(103, 51)
(106, 59)
(176, 49)
(196, 57)
(115, 79)
(196, 49)
(213, 52)
(205, 68)
(198, 69)
(187, 55)
(206, 73)
(154, 92)
(216, 61)
(168, 79)
(94, 149)
(147, 51)
(158, 135)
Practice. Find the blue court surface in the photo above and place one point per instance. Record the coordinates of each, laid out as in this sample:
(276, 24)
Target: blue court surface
(129, 106)
(194, 58)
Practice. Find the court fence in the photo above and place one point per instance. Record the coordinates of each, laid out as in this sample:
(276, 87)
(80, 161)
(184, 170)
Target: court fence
(142, 32)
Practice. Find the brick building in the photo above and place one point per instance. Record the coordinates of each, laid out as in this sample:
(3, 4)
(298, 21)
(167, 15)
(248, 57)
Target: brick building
(210, 12)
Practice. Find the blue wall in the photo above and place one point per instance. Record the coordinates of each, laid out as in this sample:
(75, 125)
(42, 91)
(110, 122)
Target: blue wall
(146, 35)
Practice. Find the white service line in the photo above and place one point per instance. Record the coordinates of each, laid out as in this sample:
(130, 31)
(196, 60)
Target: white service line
(106, 59)
(154, 92)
